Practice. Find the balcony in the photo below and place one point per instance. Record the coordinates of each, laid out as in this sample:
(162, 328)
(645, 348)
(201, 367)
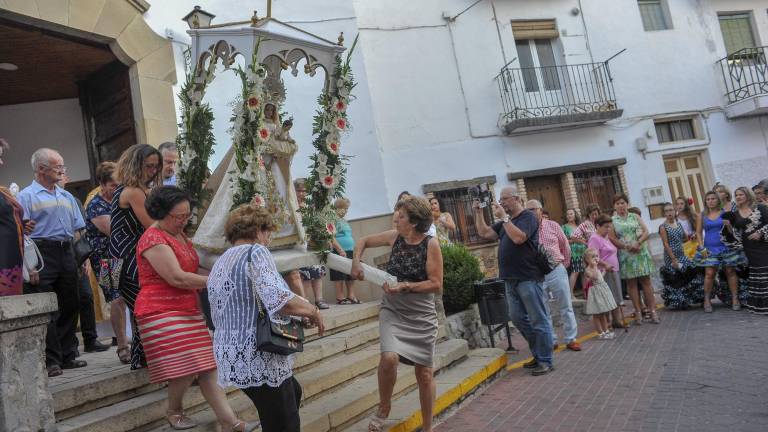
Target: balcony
(553, 97)
(746, 82)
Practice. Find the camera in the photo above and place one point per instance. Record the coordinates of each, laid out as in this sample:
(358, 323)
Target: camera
(481, 193)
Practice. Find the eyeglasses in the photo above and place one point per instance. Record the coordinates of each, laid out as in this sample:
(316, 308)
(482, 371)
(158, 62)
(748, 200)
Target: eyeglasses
(180, 217)
(61, 168)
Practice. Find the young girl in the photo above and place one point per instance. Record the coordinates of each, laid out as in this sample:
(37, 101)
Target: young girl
(600, 300)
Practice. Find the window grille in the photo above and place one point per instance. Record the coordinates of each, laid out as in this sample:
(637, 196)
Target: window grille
(458, 203)
(597, 186)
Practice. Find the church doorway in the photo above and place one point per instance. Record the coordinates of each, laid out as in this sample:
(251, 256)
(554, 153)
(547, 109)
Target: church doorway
(65, 92)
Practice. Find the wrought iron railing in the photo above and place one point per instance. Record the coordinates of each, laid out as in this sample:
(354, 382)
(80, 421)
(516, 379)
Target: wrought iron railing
(745, 73)
(538, 92)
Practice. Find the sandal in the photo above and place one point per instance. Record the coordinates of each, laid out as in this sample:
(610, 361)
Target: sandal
(178, 420)
(124, 354)
(655, 318)
(376, 423)
(637, 318)
(242, 426)
(344, 301)
(54, 371)
(321, 305)
(354, 301)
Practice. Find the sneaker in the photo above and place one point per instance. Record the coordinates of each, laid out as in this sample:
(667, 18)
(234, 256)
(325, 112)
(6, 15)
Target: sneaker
(602, 336)
(531, 364)
(542, 369)
(610, 335)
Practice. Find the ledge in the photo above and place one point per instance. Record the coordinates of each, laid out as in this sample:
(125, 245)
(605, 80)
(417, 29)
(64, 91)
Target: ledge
(549, 123)
(23, 306)
(458, 184)
(754, 106)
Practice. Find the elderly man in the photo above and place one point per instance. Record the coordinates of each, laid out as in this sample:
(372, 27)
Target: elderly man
(552, 237)
(170, 159)
(57, 221)
(760, 191)
(518, 235)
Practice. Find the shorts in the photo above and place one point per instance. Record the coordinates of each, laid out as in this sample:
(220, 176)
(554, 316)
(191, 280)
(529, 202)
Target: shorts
(339, 276)
(312, 272)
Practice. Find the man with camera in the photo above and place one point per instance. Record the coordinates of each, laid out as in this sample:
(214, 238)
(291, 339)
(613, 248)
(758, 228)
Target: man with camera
(517, 230)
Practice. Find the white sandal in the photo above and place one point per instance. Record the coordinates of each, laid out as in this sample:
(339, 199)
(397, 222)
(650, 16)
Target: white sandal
(377, 423)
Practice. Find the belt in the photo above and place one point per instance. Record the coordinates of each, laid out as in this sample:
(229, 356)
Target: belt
(53, 243)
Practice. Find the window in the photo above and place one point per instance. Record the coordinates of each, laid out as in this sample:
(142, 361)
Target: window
(458, 203)
(654, 15)
(597, 186)
(737, 31)
(537, 61)
(675, 130)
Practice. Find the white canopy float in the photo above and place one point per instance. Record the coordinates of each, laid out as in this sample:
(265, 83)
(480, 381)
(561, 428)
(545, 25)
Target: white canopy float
(257, 166)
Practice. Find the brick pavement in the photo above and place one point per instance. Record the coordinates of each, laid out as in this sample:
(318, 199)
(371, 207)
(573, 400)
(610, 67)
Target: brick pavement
(694, 372)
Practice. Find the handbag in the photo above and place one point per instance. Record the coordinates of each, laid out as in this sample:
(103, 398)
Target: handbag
(542, 258)
(82, 248)
(274, 337)
(32, 258)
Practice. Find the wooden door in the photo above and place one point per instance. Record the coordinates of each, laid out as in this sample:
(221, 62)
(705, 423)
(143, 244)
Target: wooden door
(548, 190)
(105, 97)
(687, 177)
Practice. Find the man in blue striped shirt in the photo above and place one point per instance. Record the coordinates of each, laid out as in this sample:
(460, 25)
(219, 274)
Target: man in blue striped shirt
(57, 221)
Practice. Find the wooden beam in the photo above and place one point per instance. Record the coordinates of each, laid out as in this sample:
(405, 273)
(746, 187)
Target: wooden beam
(457, 184)
(566, 168)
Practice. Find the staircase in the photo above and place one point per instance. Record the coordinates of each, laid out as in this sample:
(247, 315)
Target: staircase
(337, 373)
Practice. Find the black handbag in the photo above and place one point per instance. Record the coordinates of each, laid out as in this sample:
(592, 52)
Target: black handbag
(273, 337)
(542, 258)
(82, 249)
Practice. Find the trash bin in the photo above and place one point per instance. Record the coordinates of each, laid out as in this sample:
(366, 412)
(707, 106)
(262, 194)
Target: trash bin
(491, 298)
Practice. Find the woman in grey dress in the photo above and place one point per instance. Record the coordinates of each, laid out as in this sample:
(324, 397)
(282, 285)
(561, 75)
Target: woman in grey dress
(408, 319)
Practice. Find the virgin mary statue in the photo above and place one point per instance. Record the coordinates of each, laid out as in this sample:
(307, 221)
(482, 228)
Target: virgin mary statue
(279, 194)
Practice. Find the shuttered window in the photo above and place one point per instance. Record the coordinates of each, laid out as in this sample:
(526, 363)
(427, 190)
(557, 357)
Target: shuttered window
(676, 130)
(538, 29)
(653, 14)
(737, 31)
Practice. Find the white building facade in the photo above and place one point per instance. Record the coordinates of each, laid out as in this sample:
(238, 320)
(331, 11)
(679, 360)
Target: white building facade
(572, 100)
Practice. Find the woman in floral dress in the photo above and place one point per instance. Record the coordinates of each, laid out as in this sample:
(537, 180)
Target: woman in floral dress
(630, 236)
(578, 246)
(683, 284)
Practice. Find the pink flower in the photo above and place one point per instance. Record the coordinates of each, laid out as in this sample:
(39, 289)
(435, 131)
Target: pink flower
(328, 181)
(261, 164)
(340, 123)
(333, 147)
(258, 201)
(331, 228)
(253, 103)
(264, 134)
(690, 201)
(339, 105)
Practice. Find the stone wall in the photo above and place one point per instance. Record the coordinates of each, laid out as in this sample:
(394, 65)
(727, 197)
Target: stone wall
(487, 254)
(26, 404)
(466, 325)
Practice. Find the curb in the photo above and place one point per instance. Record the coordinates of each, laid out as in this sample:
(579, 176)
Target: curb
(450, 397)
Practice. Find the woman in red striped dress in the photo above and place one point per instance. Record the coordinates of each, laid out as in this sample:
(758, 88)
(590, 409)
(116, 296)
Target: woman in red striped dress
(176, 340)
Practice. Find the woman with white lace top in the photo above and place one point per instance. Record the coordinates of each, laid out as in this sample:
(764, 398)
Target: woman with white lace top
(266, 378)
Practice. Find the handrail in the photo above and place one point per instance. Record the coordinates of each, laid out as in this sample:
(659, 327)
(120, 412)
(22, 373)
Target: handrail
(745, 73)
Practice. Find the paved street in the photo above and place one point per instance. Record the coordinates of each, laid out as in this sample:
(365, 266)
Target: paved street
(694, 372)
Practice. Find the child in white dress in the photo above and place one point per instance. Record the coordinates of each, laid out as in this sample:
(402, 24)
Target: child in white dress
(600, 299)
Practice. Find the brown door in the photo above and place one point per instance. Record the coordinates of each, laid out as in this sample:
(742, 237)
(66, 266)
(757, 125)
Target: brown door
(105, 97)
(548, 190)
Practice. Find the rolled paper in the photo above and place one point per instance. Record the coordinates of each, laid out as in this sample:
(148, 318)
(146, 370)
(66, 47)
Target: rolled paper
(371, 274)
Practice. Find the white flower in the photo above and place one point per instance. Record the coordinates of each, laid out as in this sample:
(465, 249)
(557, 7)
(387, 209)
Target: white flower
(343, 91)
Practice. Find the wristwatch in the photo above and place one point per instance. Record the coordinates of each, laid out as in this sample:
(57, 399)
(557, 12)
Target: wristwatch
(505, 219)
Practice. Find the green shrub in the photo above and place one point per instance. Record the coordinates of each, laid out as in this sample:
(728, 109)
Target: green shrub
(461, 270)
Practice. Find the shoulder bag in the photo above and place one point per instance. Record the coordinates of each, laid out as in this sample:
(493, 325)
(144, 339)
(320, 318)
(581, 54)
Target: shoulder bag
(273, 337)
(542, 258)
(82, 248)
(33, 260)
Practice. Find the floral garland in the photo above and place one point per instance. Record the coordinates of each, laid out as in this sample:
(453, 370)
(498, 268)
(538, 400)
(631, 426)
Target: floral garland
(249, 134)
(195, 142)
(327, 178)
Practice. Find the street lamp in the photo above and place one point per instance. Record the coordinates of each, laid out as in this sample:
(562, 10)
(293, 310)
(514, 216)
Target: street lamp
(198, 18)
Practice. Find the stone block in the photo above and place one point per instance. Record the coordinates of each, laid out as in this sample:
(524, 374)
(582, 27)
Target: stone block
(138, 40)
(114, 18)
(83, 14)
(159, 64)
(157, 100)
(23, 7)
(54, 11)
(160, 131)
(25, 402)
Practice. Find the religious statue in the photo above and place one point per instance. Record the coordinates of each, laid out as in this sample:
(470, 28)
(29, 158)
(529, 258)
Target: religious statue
(277, 187)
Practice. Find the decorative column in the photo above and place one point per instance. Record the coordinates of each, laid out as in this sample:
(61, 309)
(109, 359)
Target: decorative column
(521, 189)
(25, 402)
(623, 179)
(569, 192)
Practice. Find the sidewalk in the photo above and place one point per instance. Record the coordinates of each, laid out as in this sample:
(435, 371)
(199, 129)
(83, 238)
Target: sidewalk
(693, 372)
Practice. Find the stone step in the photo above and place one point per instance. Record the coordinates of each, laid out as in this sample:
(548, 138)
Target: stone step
(454, 384)
(354, 397)
(321, 360)
(105, 381)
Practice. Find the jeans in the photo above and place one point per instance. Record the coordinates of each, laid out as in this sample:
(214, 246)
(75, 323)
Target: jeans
(529, 312)
(556, 282)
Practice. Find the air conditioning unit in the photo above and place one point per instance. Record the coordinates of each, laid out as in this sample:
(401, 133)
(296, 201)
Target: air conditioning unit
(653, 195)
